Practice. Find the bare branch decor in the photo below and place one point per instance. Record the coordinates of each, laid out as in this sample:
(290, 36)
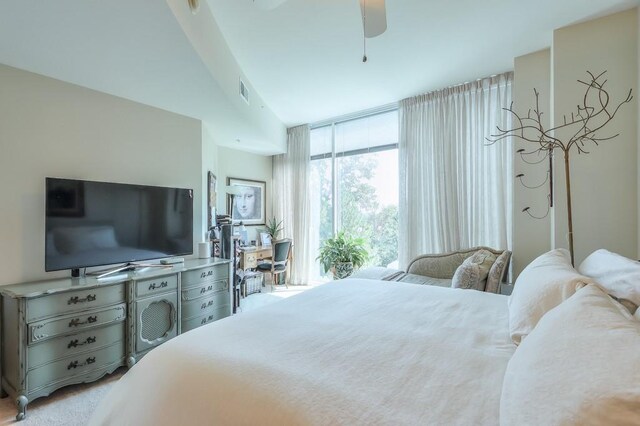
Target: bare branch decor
(579, 131)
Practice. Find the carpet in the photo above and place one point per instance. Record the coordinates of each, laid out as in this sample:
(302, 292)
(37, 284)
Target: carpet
(70, 406)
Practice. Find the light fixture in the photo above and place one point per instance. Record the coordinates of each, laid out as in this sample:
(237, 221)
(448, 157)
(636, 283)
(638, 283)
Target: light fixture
(374, 17)
(374, 21)
(194, 5)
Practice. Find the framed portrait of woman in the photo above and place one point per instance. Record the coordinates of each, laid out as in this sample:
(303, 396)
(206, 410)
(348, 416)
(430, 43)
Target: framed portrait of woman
(248, 204)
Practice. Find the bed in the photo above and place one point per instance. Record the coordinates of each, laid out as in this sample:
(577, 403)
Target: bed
(562, 349)
(356, 351)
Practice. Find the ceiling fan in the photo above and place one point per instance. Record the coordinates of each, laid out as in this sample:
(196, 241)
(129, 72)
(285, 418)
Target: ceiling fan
(373, 12)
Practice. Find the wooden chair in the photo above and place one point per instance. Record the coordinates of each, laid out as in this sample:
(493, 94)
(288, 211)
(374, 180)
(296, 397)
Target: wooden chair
(281, 251)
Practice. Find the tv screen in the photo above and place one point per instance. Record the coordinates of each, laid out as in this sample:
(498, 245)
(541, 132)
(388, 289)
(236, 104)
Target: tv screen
(99, 223)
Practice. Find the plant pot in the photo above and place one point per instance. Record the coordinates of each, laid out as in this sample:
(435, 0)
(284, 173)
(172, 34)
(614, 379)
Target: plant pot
(342, 270)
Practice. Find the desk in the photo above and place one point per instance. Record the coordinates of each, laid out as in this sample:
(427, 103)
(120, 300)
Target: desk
(249, 257)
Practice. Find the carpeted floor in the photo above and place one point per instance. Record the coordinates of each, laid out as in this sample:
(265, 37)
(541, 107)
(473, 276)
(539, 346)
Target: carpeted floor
(73, 405)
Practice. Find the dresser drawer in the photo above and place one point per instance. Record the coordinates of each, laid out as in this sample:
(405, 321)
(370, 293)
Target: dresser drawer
(211, 273)
(156, 285)
(211, 315)
(74, 301)
(205, 289)
(89, 340)
(49, 374)
(71, 324)
(199, 306)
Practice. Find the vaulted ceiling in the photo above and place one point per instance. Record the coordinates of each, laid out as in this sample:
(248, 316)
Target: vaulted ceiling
(301, 60)
(304, 56)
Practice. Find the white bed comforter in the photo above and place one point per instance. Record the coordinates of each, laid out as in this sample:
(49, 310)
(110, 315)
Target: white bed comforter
(352, 352)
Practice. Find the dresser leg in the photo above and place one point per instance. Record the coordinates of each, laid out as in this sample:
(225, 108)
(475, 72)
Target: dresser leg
(21, 405)
(3, 393)
(131, 361)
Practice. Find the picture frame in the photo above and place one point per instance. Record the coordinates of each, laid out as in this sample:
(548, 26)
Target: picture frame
(212, 196)
(249, 206)
(265, 239)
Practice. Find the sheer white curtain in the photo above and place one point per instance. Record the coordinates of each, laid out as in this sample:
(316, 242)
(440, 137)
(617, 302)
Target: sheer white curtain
(455, 191)
(291, 202)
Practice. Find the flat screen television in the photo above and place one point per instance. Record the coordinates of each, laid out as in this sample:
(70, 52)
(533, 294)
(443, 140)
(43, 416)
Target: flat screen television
(100, 223)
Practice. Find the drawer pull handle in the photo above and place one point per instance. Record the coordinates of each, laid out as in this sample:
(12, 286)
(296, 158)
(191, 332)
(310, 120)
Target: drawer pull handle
(76, 364)
(74, 343)
(206, 289)
(76, 321)
(76, 299)
(154, 286)
(207, 319)
(206, 274)
(205, 305)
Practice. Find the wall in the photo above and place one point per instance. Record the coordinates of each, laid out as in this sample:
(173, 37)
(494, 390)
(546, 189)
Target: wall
(52, 128)
(243, 165)
(604, 183)
(530, 236)
(209, 164)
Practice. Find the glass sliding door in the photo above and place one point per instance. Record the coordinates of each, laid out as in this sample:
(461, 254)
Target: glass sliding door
(355, 176)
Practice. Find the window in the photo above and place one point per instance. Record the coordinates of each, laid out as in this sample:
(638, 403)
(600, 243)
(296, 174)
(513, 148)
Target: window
(354, 167)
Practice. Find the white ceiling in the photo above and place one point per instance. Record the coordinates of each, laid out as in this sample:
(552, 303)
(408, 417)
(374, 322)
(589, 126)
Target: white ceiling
(300, 60)
(139, 51)
(304, 56)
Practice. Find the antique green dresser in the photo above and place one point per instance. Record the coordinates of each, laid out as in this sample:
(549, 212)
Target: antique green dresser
(75, 330)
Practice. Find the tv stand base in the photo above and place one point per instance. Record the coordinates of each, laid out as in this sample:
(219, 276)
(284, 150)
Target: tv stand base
(122, 268)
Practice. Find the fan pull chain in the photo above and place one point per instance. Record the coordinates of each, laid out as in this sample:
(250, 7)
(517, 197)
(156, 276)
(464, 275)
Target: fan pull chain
(364, 31)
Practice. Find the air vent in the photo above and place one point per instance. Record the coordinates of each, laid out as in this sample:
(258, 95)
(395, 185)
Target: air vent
(244, 92)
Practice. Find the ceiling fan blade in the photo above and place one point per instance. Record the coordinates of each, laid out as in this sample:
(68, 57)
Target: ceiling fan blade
(374, 17)
(268, 4)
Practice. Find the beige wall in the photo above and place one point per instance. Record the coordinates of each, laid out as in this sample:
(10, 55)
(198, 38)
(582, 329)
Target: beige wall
(243, 165)
(52, 128)
(604, 183)
(530, 236)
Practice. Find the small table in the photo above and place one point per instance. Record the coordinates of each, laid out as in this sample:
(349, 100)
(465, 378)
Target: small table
(249, 257)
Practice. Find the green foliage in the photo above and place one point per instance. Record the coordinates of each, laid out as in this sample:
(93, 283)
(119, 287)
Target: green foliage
(342, 249)
(360, 212)
(385, 236)
(273, 228)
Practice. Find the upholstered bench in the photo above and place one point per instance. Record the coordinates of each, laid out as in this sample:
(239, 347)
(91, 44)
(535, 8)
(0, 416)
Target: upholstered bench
(439, 269)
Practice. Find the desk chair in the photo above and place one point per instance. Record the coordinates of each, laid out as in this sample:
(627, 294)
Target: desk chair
(279, 258)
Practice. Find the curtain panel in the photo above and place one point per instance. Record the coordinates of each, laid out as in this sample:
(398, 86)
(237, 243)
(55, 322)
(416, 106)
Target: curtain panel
(456, 191)
(291, 201)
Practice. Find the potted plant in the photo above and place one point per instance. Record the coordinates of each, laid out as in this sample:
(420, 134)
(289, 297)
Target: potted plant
(273, 228)
(342, 255)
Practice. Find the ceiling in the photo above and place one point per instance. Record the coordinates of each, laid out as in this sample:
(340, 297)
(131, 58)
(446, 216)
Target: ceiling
(304, 56)
(139, 50)
(300, 60)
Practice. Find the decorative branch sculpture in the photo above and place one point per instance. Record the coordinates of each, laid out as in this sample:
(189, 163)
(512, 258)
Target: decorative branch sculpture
(578, 130)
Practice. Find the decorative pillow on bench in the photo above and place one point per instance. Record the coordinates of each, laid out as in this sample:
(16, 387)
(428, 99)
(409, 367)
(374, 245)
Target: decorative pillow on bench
(473, 272)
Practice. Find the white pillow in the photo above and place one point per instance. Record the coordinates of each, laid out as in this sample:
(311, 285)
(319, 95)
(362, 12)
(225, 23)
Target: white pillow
(540, 287)
(581, 365)
(616, 274)
(473, 272)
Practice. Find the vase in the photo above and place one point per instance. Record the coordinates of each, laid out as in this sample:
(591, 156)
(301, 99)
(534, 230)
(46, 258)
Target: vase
(342, 270)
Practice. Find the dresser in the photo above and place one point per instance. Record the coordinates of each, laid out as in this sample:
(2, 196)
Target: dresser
(75, 330)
